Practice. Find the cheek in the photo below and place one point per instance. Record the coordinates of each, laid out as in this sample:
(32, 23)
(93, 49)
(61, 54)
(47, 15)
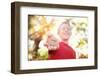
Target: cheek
(62, 34)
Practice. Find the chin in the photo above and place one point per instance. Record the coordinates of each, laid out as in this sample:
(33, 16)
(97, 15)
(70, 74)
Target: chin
(65, 38)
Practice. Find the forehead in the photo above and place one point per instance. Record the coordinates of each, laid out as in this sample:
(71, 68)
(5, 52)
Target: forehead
(64, 26)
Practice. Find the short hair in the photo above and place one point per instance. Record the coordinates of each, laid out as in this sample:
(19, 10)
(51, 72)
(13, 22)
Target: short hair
(67, 22)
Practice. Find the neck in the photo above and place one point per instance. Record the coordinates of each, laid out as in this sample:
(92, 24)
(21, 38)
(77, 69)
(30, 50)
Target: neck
(65, 41)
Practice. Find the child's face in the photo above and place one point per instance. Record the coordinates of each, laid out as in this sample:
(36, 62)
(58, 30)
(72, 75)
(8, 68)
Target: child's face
(64, 31)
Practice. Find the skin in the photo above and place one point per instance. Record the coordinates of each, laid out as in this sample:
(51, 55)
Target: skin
(52, 42)
(64, 32)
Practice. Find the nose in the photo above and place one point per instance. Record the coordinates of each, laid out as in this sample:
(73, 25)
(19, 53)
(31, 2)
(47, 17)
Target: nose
(66, 30)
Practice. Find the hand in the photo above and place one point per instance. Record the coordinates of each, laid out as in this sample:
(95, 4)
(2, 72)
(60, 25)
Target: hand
(52, 42)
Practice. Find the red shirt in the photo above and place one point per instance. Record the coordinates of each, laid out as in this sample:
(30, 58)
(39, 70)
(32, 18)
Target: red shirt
(63, 52)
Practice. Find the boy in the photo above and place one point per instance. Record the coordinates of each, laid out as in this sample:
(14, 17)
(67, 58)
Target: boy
(61, 50)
